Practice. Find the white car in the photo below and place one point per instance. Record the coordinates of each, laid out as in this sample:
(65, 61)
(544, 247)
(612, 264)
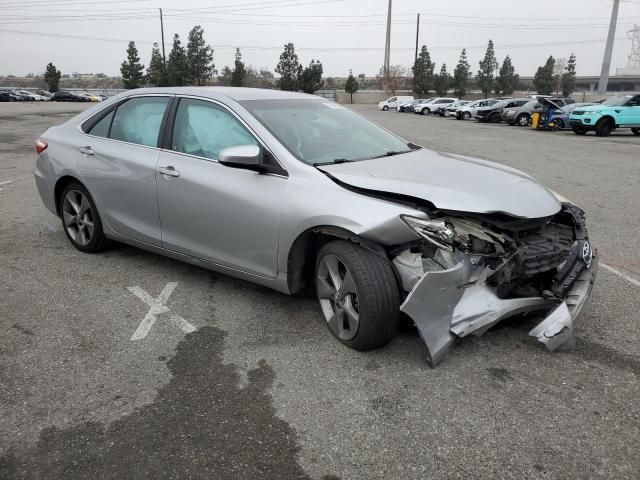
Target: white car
(434, 105)
(469, 111)
(34, 96)
(393, 102)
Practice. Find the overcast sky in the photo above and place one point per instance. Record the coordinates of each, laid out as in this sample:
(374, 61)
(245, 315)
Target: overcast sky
(343, 34)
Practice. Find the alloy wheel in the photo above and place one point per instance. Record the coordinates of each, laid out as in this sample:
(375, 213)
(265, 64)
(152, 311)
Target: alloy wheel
(338, 297)
(78, 217)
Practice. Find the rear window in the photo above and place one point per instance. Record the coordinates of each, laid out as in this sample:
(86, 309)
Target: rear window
(138, 120)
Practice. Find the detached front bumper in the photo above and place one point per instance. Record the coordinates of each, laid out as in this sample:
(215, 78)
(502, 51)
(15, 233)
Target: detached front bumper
(458, 302)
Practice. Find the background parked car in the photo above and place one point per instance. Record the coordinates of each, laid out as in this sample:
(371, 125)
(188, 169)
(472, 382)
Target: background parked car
(7, 96)
(521, 116)
(68, 97)
(493, 113)
(31, 95)
(469, 111)
(559, 119)
(433, 105)
(621, 111)
(408, 106)
(44, 93)
(392, 102)
(451, 109)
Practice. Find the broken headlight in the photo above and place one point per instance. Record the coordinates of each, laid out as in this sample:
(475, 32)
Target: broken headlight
(438, 232)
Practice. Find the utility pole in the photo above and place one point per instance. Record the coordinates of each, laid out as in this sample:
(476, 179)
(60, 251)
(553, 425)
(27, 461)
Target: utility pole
(164, 59)
(387, 48)
(606, 61)
(415, 59)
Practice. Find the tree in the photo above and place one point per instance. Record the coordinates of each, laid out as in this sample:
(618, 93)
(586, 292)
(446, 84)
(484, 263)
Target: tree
(239, 72)
(199, 58)
(52, 77)
(177, 66)
(442, 81)
(508, 80)
(392, 79)
(423, 72)
(461, 75)
(543, 79)
(352, 85)
(289, 69)
(488, 65)
(310, 80)
(569, 77)
(156, 74)
(131, 69)
(225, 78)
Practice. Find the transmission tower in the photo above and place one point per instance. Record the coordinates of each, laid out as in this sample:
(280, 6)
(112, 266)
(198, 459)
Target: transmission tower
(634, 58)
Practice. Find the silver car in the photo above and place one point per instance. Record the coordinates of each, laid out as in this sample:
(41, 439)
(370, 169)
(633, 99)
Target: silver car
(290, 190)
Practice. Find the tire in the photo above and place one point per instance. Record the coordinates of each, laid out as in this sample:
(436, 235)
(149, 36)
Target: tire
(604, 127)
(425, 111)
(522, 120)
(78, 213)
(636, 131)
(495, 118)
(578, 130)
(385, 108)
(373, 297)
(558, 125)
(466, 116)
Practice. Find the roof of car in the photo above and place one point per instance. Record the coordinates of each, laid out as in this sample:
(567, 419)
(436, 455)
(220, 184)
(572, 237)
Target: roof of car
(235, 93)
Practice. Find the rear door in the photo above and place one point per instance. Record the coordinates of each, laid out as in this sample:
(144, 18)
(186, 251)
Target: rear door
(229, 216)
(118, 164)
(630, 113)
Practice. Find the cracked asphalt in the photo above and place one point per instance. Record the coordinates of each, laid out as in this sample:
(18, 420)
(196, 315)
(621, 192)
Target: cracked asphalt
(262, 390)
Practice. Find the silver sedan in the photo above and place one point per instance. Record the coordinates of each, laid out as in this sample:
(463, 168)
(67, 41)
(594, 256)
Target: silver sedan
(289, 190)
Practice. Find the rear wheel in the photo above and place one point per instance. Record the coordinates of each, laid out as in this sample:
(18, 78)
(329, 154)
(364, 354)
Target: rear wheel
(578, 130)
(636, 131)
(522, 120)
(80, 219)
(604, 127)
(358, 295)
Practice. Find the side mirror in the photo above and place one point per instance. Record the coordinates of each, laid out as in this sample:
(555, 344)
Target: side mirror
(241, 156)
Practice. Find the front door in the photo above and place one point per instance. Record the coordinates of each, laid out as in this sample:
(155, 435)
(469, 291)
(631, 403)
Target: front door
(229, 216)
(117, 161)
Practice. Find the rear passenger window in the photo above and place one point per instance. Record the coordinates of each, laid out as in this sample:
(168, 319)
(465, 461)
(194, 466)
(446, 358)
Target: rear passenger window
(203, 129)
(101, 129)
(138, 120)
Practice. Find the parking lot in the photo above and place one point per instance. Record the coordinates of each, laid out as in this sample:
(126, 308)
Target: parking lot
(261, 389)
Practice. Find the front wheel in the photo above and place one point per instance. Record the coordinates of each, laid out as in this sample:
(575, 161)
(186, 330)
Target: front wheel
(604, 127)
(425, 111)
(578, 130)
(80, 219)
(385, 108)
(466, 116)
(358, 295)
(558, 124)
(522, 120)
(636, 131)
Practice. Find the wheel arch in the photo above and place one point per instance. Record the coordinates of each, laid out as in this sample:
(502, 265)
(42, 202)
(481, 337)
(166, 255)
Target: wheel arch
(608, 117)
(302, 254)
(59, 187)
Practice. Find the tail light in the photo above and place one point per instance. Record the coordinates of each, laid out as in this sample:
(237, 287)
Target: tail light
(41, 145)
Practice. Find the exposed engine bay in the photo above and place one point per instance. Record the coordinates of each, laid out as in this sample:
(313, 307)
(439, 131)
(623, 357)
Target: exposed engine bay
(469, 271)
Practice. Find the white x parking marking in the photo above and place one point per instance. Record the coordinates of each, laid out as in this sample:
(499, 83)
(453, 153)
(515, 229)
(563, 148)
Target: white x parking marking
(157, 307)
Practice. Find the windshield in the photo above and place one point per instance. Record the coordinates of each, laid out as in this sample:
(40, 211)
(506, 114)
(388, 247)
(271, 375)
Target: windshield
(617, 100)
(319, 131)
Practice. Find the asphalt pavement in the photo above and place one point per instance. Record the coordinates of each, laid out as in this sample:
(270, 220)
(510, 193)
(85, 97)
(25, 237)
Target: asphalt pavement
(261, 389)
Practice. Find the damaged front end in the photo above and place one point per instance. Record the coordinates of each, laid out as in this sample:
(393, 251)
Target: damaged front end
(470, 271)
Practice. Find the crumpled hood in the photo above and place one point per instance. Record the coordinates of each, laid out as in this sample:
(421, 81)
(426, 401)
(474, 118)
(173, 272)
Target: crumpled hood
(451, 182)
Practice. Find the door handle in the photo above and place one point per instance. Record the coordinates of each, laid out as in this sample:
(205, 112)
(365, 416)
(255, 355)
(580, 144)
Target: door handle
(87, 151)
(170, 171)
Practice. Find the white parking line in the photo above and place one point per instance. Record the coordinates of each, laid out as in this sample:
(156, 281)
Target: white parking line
(5, 183)
(157, 307)
(620, 274)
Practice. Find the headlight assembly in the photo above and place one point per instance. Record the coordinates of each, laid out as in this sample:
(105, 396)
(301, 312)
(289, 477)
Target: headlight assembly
(438, 232)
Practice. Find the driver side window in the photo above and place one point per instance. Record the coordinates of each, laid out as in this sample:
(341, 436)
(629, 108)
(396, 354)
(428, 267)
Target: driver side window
(203, 129)
(634, 102)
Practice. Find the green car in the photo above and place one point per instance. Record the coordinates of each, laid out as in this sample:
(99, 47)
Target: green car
(621, 111)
